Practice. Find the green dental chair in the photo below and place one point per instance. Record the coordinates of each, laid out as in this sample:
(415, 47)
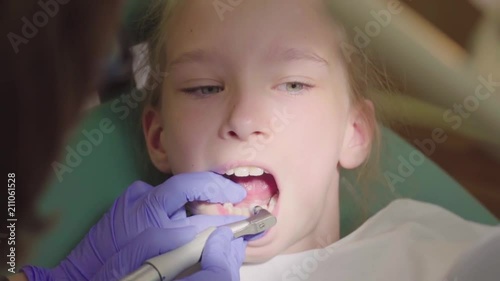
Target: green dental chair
(107, 154)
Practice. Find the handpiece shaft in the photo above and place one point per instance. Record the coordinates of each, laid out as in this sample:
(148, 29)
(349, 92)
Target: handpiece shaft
(169, 265)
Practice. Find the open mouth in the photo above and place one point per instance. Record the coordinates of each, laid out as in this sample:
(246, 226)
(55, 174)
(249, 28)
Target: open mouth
(260, 185)
(261, 189)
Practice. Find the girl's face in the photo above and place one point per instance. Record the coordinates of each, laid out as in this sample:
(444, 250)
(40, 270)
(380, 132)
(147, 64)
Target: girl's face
(260, 85)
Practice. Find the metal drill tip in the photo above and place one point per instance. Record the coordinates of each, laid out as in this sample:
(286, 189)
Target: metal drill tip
(257, 209)
(261, 221)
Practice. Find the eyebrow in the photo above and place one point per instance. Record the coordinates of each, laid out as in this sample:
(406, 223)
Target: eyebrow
(194, 56)
(294, 54)
(277, 54)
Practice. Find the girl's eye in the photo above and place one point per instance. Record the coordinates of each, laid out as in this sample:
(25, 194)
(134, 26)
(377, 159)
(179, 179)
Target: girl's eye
(203, 90)
(294, 87)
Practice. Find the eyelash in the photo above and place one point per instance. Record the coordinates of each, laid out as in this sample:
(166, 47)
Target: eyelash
(193, 91)
(306, 86)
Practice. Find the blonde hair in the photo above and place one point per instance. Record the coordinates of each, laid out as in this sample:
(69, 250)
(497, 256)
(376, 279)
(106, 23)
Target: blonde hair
(155, 24)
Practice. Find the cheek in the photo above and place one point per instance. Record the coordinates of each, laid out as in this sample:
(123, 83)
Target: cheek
(184, 138)
(318, 134)
(319, 127)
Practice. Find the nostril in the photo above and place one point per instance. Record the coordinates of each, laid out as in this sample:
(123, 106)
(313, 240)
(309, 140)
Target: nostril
(232, 134)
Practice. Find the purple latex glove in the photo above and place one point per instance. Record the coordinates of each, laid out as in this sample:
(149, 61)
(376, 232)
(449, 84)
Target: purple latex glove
(221, 258)
(145, 222)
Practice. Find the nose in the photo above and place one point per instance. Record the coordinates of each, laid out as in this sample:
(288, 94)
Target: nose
(247, 116)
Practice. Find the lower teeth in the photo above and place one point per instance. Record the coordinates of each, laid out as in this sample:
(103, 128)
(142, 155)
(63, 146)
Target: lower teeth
(272, 202)
(250, 211)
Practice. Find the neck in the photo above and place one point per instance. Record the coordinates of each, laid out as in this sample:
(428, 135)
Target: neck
(327, 230)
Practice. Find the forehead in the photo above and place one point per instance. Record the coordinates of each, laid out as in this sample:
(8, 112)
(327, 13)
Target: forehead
(249, 26)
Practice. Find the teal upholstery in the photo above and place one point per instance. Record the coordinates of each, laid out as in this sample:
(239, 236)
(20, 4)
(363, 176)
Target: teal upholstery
(85, 189)
(405, 172)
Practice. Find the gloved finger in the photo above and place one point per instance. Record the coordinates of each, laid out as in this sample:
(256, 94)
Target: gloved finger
(136, 190)
(202, 222)
(150, 243)
(239, 246)
(179, 214)
(221, 258)
(180, 189)
(222, 253)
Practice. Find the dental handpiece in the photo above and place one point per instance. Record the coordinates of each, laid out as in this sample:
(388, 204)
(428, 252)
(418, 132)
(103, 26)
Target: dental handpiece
(171, 264)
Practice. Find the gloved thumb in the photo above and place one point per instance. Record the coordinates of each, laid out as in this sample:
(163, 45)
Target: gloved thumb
(150, 243)
(222, 257)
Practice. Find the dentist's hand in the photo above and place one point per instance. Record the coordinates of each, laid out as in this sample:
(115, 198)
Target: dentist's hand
(147, 221)
(222, 258)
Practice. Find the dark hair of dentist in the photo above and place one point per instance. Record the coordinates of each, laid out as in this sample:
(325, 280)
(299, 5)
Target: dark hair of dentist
(50, 75)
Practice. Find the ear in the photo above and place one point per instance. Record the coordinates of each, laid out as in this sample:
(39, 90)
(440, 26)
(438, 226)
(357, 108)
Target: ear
(359, 136)
(153, 131)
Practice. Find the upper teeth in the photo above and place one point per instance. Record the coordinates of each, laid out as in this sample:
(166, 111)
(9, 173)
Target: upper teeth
(245, 171)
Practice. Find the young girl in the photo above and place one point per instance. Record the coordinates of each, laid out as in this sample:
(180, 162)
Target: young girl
(262, 93)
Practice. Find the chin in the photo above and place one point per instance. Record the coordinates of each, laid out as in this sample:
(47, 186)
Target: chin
(255, 256)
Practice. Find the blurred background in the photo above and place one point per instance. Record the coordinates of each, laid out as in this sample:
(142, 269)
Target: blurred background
(434, 52)
(474, 163)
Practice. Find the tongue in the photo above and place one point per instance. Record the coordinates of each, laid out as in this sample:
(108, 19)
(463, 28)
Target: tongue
(259, 189)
